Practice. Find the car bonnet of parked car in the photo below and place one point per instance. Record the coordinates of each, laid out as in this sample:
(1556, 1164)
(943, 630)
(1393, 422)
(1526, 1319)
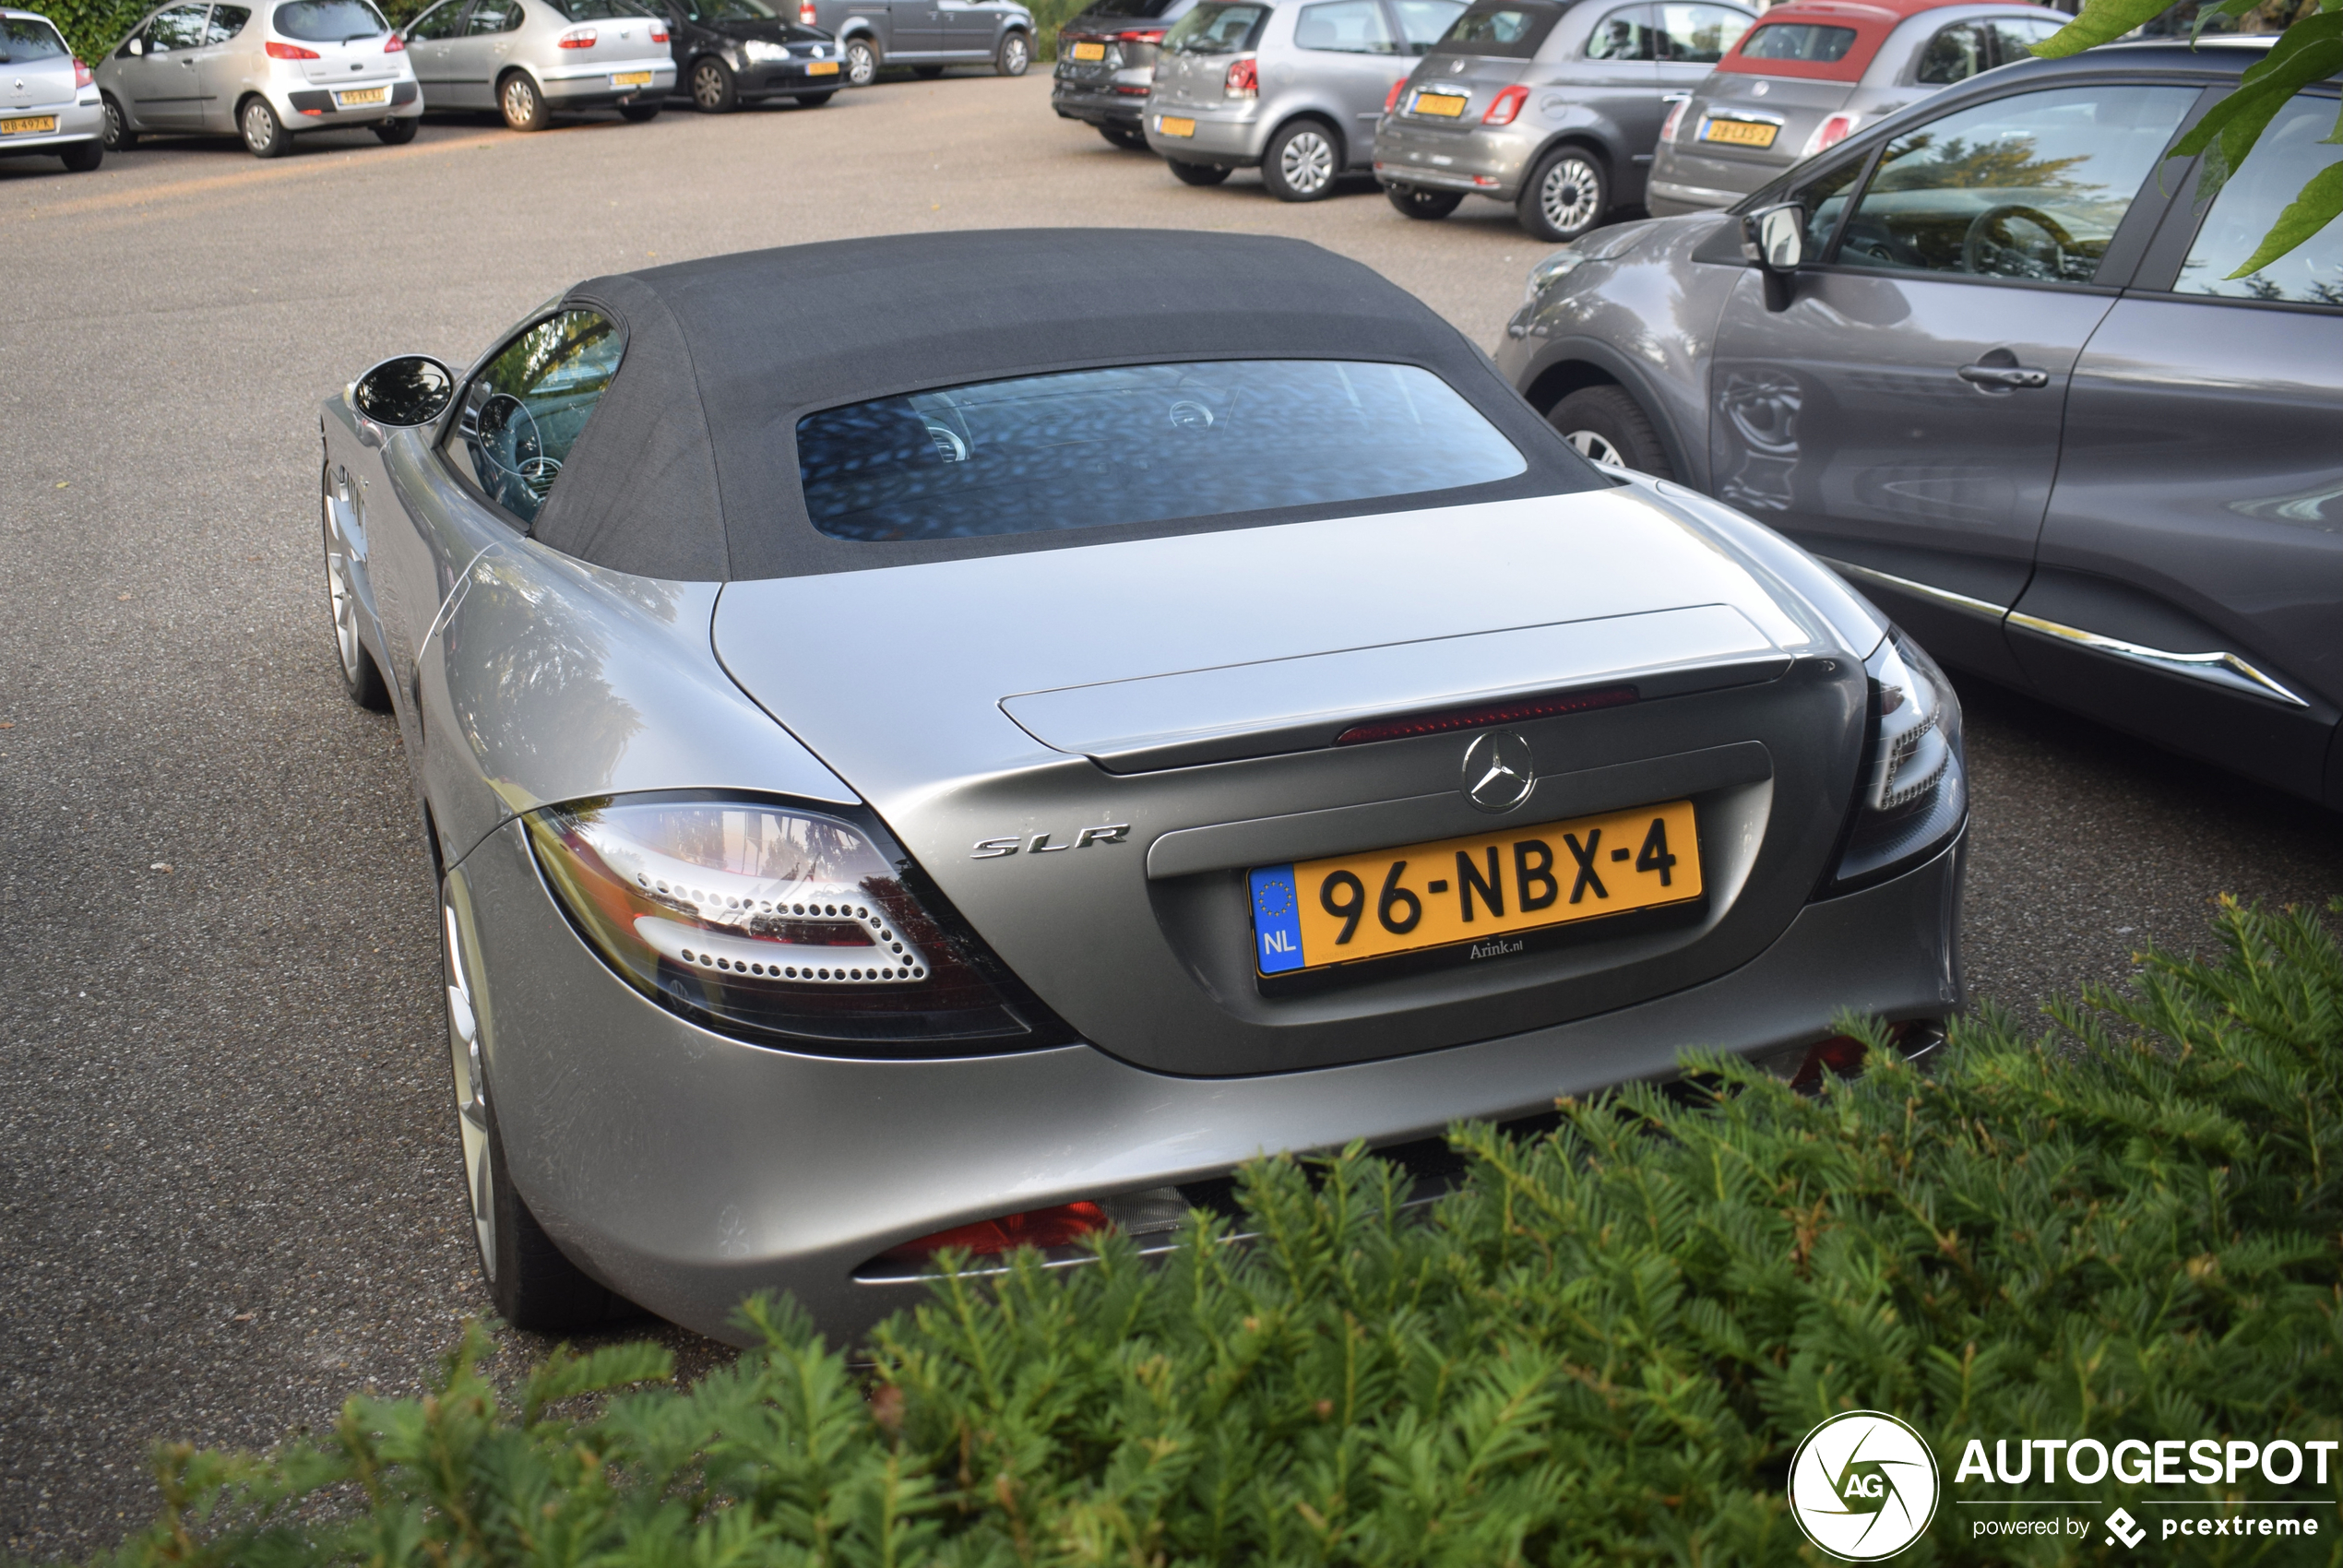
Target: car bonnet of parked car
(689, 470)
(1823, 26)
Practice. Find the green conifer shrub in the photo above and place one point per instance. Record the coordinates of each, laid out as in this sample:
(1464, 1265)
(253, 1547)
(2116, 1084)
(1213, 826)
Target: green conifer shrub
(1603, 1348)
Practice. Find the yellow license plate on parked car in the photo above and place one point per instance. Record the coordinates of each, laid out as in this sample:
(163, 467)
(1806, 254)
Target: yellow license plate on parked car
(1486, 889)
(631, 79)
(1173, 125)
(1089, 52)
(822, 68)
(1741, 133)
(358, 97)
(28, 125)
(1447, 105)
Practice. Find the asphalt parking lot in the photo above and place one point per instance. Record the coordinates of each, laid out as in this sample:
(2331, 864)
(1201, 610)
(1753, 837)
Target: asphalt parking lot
(229, 1174)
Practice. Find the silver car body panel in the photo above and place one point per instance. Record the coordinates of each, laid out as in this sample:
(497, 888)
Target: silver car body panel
(1341, 89)
(464, 71)
(202, 87)
(43, 86)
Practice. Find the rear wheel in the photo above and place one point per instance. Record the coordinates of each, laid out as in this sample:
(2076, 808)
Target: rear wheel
(362, 679)
(1014, 55)
(815, 100)
(1416, 202)
(523, 105)
(1198, 173)
(82, 156)
(1608, 425)
(1567, 195)
(861, 61)
(1301, 161)
(638, 112)
(397, 133)
(1130, 138)
(119, 137)
(265, 134)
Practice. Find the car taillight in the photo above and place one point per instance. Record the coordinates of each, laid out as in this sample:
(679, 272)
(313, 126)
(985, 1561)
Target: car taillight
(1154, 1220)
(658, 32)
(575, 37)
(1391, 99)
(393, 44)
(1506, 104)
(1152, 35)
(806, 14)
(289, 52)
(1830, 133)
(779, 922)
(1674, 121)
(1243, 79)
(1914, 796)
(81, 77)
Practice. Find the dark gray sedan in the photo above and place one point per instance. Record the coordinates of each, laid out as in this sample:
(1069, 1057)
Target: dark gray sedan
(1996, 371)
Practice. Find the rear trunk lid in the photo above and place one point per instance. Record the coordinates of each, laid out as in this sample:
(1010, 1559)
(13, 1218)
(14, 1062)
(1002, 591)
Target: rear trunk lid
(350, 63)
(36, 74)
(1429, 100)
(1795, 107)
(1186, 695)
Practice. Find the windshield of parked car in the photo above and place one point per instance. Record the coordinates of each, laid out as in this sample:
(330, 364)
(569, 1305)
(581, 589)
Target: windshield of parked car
(1215, 29)
(29, 38)
(730, 11)
(328, 21)
(1798, 41)
(1139, 444)
(1508, 29)
(602, 10)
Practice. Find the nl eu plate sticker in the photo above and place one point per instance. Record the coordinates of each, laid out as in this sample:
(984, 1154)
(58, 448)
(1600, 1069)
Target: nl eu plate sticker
(1277, 921)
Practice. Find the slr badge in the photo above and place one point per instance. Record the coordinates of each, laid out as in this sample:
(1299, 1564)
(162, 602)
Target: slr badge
(1498, 772)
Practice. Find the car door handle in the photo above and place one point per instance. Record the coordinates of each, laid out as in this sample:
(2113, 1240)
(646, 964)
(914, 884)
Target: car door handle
(2006, 378)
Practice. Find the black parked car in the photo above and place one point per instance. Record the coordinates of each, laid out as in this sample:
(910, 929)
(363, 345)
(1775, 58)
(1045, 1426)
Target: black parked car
(728, 52)
(1106, 61)
(1992, 367)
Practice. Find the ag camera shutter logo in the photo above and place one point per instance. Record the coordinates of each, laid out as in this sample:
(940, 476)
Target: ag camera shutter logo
(1862, 1486)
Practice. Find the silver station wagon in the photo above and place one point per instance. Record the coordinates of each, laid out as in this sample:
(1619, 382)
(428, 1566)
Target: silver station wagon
(263, 72)
(1293, 90)
(531, 59)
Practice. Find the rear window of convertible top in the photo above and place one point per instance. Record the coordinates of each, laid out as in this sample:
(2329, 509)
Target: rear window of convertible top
(1810, 42)
(1140, 443)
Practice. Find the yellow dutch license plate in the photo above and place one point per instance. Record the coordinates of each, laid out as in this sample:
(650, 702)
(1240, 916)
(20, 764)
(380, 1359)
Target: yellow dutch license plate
(358, 97)
(1446, 105)
(1741, 133)
(630, 79)
(1089, 52)
(1487, 889)
(822, 68)
(28, 125)
(1174, 125)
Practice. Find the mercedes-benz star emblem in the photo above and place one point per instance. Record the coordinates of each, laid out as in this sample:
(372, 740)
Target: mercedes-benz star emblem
(1498, 772)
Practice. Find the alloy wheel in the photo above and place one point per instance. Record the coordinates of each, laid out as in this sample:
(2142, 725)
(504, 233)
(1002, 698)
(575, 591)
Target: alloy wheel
(861, 62)
(342, 596)
(1306, 164)
(471, 1099)
(1570, 196)
(1597, 447)
(1014, 57)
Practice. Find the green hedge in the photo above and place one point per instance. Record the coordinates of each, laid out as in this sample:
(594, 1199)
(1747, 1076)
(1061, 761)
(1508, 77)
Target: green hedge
(93, 27)
(1602, 1349)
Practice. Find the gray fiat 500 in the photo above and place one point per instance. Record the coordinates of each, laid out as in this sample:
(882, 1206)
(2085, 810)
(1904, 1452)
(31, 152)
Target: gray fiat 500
(1291, 88)
(1073, 749)
(1553, 108)
(532, 59)
(48, 100)
(1997, 373)
(264, 72)
(1815, 71)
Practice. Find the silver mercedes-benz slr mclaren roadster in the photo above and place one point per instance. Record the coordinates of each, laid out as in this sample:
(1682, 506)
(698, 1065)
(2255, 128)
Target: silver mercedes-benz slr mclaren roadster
(925, 756)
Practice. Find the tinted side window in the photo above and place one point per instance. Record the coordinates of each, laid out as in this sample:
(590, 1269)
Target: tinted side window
(1953, 55)
(494, 16)
(1698, 35)
(1422, 21)
(440, 21)
(522, 414)
(2029, 186)
(179, 28)
(1217, 29)
(1346, 27)
(1623, 35)
(226, 22)
(2274, 173)
(1509, 29)
(2014, 38)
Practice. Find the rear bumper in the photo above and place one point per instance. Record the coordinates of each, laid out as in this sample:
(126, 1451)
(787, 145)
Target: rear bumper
(1230, 137)
(687, 1170)
(1682, 182)
(585, 89)
(1100, 103)
(76, 122)
(1489, 162)
(312, 107)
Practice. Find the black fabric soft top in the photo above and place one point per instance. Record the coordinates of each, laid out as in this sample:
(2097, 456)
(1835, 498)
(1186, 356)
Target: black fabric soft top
(688, 468)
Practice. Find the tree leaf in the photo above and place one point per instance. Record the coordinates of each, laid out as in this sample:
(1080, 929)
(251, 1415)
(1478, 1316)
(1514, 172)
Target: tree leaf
(2102, 21)
(2317, 206)
(2225, 8)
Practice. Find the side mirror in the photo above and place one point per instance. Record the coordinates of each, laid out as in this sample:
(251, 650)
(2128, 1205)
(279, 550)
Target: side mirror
(1774, 238)
(136, 46)
(400, 394)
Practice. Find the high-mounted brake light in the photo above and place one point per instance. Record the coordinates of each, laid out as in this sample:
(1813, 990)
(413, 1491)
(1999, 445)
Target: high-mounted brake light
(277, 50)
(1675, 120)
(575, 37)
(1243, 79)
(1830, 133)
(81, 77)
(1506, 105)
(393, 44)
(1391, 99)
(1150, 35)
(1476, 717)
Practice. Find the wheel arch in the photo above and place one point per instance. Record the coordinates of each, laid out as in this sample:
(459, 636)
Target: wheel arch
(1323, 116)
(1575, 364)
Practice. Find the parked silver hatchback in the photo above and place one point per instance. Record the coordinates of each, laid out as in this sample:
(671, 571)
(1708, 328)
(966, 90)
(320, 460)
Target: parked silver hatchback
(1293, 90)
(1553, 108)
(48, 103)
(533, 59)
(264, 72)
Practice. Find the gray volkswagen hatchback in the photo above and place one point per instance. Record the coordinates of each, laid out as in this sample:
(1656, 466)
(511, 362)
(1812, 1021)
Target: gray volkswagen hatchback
(1555, 108)
(1997, 374)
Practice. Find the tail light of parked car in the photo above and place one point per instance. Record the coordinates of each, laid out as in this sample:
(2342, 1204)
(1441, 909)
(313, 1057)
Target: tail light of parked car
(81, 77)
(658, 32)
(278, 50)
(1675, 119)
(1243, 79)
(1830, 133)
(807, 15)
(1914, 792)
(1151, 35)
(575, 37)
(393, 44)
(780, 923)
(1506, 105)
(1391, 99)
